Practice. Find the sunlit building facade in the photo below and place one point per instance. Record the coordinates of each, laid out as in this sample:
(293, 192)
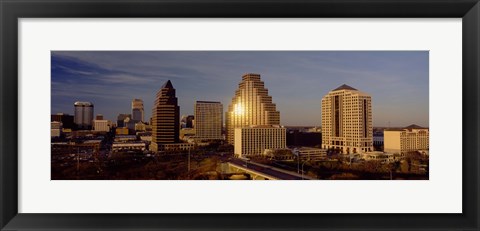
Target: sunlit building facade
(208, 120)
(256, 139)
(347, 120)
(165, 117)
(55, 129)
(402, 141)
(101, 125)
(250, 106)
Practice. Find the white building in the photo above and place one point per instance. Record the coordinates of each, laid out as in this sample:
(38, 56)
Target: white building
(208, 120)
(401, 141)
(101, 125)
(254, 140)
(55, 129)
(347, 120)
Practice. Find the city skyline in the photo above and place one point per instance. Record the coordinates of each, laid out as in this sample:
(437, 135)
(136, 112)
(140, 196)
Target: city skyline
(297, 80)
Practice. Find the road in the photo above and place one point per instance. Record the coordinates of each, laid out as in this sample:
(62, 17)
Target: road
(271, 171)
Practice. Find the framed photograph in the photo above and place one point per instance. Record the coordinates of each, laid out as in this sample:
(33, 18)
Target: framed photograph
(231, 115)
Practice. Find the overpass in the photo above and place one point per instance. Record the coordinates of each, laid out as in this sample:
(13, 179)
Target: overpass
(263, 172)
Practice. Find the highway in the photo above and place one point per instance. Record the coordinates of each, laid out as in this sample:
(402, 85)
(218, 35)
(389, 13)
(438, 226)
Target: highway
(268, 170)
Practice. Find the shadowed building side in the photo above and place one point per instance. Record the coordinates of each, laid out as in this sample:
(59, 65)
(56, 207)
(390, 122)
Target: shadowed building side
(165, 117)
(208, 120)
(137, 110)
(83, 115)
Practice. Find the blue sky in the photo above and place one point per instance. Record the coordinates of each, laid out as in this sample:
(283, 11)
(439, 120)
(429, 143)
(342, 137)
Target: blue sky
(297, 80)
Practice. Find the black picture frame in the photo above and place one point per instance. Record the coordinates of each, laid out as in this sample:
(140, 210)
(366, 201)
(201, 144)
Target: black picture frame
(11, 11)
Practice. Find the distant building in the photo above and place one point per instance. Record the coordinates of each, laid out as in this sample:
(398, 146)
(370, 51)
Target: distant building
(121, 119)
(129, 123)
(101, 125)
(301, 138)
(251, 105)
(121, 131)
(378, 140)
(65, 119)
(347, 120)
(278, 154)
(311, 154)
(125, 138)
(175, 147)
(165, 117)
(208, 120)
(378, 156)
(187, 134)
(83, 115)
(99, 117)
(129, 146)
(140, 126)
(145, 137)
(189, 121)
(254, 140)
(137, 110)
(411, 138)
(55, 129)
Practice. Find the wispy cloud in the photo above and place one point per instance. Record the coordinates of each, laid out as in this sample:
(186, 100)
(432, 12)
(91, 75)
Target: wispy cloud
(113, 78)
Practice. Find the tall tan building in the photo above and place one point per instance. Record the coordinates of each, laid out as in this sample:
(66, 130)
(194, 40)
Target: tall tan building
(402, 141)
(347, 120)
(250, 106)
(208, 120)
(165, 117)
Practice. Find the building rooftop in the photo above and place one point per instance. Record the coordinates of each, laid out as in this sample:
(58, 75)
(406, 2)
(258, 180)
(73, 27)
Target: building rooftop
(251, 76)
(345, 87)
(207, 102)
(414, 126)
(168, 84)
(394, 129)
(410, 127)
(79, 103)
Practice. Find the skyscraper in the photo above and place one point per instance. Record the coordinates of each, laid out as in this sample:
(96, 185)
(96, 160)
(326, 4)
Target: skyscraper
(208, 120)
(187, 121)
(121, 119)
(83, 115)
(165, 117)
(347, 120)
(137, 110)
(251, 105)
